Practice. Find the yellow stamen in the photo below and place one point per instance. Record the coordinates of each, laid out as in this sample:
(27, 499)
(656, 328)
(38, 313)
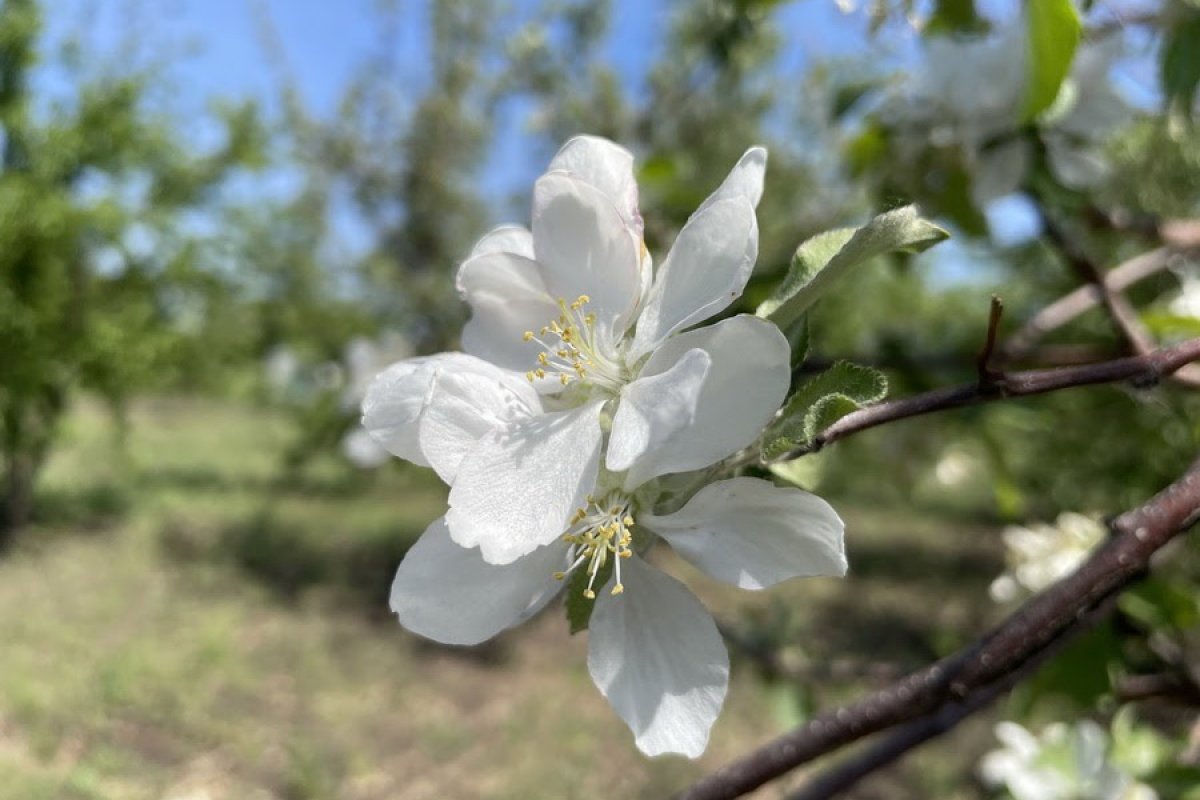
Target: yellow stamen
(598, 532)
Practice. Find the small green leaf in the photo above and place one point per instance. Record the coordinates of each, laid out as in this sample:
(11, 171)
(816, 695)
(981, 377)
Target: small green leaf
(1053, 29)
(828, 257)
(579, 608)
(820, 402)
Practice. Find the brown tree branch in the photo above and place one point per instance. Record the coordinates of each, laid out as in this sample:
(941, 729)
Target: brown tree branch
(1143, 370)
(979, 671)
(1073, 304)
(894, 744)
(1124, 316)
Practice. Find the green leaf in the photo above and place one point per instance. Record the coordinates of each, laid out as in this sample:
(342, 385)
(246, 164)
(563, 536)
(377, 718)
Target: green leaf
(1053, 29)
(826, 258)
(820, 402)
(799, 340)
(579, 608)
(1181, 67)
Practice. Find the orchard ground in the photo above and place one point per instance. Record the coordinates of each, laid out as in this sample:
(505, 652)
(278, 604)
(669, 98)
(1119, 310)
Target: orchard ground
(183, 623)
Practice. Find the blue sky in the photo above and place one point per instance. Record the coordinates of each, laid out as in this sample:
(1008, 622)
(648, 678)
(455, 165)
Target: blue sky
(218, 49)
(238, 48)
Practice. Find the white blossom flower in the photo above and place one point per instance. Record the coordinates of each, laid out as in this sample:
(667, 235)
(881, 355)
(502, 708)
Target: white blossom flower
(653, 650)
(1042, 554)
(574, 309)
(1062, 763)
(584, 422)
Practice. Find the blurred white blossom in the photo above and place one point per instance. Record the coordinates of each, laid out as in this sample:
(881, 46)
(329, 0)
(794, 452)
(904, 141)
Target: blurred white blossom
(281, 368)
(1042, 554)
(1064, 762)
(969, 92)
(1187, 302)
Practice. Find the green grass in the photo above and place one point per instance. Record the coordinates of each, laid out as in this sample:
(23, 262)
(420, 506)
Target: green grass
(180, 623)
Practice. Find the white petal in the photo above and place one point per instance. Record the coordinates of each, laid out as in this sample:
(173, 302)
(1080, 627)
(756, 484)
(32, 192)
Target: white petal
(744, 180)
(654, 409)
(753, 534)
(746, 382)
(397, 398)
(605, 165)
(450, 594)
(711, 260)
(655, 653)
(506, 239)
(585, 247)
(507, 298)
(706, 270)
(517, 489)
(462, 408)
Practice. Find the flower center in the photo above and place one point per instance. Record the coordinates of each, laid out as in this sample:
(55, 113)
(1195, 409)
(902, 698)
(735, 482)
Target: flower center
(597, 532)
(570, 348)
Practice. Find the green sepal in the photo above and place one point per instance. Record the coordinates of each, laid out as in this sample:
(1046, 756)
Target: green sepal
(579, 608)
(820, 402)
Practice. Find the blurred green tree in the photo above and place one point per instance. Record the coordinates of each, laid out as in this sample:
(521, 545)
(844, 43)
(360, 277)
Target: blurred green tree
(100, 288)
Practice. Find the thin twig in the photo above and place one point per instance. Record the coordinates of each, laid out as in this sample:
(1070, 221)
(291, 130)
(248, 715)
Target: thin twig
(983, 363)
(1075, 303)
(1023, 636)
(1122, 313)
(1143, 370)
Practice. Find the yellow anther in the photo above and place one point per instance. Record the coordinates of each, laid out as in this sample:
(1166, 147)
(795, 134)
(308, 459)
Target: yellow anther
(527, 336)
(627, 522)
(529, 376)
(541, 373)
(558, 576)
(564, 379)
(618, 589)
(589, 594)
(543, 359)
(583, 298)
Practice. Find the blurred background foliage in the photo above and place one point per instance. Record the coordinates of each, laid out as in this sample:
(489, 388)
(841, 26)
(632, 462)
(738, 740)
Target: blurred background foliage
(182, 353)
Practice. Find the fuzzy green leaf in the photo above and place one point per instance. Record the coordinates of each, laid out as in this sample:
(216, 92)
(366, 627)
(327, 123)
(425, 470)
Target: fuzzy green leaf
(820, 402)
(828, 257)
(1053, 28)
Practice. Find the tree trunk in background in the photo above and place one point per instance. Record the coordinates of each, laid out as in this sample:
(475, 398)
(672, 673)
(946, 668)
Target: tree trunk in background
(17, 504)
